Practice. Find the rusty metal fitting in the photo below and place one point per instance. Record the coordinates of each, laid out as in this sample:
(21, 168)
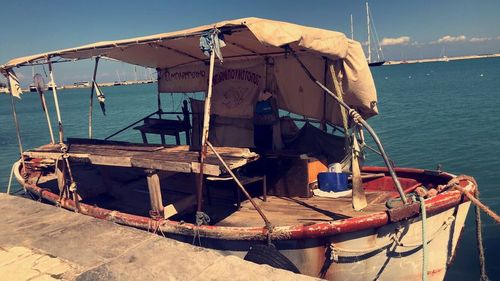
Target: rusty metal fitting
(421, 191)
(355, 116)
(432, 192)
(64, 148)
(72, 187)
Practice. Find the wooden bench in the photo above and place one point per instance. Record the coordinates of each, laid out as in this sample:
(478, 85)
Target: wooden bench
(168, 127)
(164, 127)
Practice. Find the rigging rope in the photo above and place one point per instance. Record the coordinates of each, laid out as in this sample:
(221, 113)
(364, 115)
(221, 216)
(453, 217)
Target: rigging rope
(379, 48)
(395, 239)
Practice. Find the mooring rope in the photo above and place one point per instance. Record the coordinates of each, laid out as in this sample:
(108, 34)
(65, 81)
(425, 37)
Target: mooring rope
(424, 239)
(201, 219)
(479, 240)
(395, 239)
(454, 183)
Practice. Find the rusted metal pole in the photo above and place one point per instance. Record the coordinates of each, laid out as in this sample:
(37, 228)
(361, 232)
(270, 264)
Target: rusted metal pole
(92, 96)
(56, 102)
(204, 132)
(363, 123)
(240, 186)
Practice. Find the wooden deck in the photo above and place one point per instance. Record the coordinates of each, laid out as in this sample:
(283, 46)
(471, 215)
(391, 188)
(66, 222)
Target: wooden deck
(294, 211)
(159, 157)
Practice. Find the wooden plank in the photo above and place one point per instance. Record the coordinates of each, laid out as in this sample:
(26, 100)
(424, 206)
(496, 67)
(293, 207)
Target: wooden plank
(179, 206)
(175, 159)
(61, 176)
(154, 191)
(208, 169)
(117, 161)
(161, 165)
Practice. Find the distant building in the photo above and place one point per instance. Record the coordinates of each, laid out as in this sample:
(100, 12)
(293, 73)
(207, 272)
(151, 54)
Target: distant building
(82, 84)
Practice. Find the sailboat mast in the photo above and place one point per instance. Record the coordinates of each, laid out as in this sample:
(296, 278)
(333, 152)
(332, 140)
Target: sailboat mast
(352, 29)
(368, 26)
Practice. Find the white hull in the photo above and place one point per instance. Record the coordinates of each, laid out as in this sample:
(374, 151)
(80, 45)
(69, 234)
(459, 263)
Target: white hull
(356, 259)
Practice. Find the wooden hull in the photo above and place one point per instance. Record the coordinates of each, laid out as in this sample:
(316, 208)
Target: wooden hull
(375, 246)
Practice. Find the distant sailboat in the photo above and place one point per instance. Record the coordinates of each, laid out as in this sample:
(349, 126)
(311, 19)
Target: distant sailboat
(32, 86)
(380, 61)
(443, 56)
(352, 29)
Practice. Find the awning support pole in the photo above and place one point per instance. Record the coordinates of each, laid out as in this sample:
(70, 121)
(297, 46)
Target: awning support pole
(158, 94)
(47, 116)
(16, 123)
(323, 120)
(204, 132)
(56, 102)
(360, 120)
(92, 96)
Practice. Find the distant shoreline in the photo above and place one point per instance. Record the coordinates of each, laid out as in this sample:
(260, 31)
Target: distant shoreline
(391, 62)
(443, 59)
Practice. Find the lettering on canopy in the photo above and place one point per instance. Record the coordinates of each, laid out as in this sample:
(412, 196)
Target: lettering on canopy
(236, 85)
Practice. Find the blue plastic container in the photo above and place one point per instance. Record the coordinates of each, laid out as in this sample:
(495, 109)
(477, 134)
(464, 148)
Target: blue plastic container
(335, 182)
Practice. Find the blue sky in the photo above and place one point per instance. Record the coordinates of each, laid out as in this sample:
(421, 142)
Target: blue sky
(412, 29)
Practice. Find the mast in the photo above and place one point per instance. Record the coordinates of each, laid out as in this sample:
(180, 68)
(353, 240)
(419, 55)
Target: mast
(352, 29)
(368, 26)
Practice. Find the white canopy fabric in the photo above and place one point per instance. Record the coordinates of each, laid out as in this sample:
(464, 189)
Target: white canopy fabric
(250, 39)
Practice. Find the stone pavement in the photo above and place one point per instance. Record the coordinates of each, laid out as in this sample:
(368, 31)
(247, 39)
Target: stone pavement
(43, 242)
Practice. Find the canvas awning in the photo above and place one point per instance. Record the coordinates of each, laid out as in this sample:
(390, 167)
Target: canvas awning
(251, 39)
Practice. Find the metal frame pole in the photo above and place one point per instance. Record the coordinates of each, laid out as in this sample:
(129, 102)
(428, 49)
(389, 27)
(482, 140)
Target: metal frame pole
(158, 93)
(56, 102)
(92, 95)
(47, 116)
(16, 122)
(360, 120)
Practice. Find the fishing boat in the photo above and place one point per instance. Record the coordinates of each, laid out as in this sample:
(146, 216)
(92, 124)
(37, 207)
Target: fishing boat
(267, 166)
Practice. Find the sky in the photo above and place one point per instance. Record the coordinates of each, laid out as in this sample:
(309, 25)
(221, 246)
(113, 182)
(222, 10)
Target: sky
(406, 29)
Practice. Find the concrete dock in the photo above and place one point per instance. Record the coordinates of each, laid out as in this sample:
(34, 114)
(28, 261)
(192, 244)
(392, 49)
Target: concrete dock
(43, 242)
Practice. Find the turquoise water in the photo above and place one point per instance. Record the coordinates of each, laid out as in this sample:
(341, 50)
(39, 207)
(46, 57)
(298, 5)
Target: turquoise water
(430, 113)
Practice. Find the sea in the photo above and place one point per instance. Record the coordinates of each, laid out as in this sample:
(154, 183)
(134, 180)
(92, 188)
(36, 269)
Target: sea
(445, 113)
